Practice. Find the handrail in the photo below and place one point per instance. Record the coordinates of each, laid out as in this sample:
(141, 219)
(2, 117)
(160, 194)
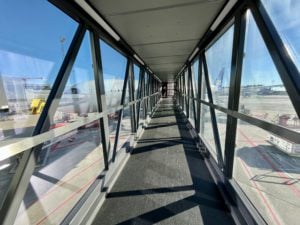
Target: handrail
(24, 144)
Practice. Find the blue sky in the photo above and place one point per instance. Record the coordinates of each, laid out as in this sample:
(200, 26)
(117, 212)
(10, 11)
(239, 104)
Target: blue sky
(31, 46)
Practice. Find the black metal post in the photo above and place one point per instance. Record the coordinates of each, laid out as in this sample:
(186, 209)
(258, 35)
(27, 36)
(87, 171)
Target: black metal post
(234, 91)
(199, 93)
(213, 116)
(101, 98)
(120, 113)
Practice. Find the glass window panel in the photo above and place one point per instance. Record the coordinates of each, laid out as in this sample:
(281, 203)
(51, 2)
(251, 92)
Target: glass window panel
(285, 16)
(195, 72)
(127, 96)
(206, 130)
(192, 117)
(58, 182)
(186, 81)
(184, 104)
(218, 58)
(263, 94)
(125, 129)
(33, 43)
(204, 95)
(79, 97)
(113, 123)
(114, 69)
(73, 161)
(142, 114)
(146, 78)
(221, 123)
(7, 170)
(267, 174)
(136, 72)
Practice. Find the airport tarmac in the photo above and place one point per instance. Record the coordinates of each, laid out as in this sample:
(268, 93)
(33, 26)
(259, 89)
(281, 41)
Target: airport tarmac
(269, 177)
(73, 162)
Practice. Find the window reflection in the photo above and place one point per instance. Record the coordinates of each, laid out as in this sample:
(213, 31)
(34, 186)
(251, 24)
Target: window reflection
(267, 175)
(125, 128)
(263, 94)
(206, 130)
(218, 58)
(136, 72)
(114, 68)
(285, 16)
(195, 71)
(30, 57)
(33, 44)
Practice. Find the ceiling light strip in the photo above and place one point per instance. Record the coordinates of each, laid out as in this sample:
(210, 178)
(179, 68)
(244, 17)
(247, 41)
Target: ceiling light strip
(194, 53)
(88, 9)
(224, 12)
(138, 59)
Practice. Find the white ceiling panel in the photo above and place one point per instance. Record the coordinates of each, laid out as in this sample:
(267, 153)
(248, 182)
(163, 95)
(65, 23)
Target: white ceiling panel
(117, 7)
(162, 32)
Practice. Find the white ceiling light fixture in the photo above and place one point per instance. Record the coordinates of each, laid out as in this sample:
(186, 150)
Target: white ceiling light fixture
(87, 8)
(149, 70)
(156, 77)
(4, 166)
(224, 12)
(181, 70)
(194, 53)
(138, 59)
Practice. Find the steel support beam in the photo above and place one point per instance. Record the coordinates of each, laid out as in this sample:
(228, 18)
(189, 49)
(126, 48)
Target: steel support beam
(199, 83)
(100, 93)
(213, 116)
(283, 61)
(120, 112)
(234, 91)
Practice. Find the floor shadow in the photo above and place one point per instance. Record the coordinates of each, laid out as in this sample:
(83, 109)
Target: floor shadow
(160, 126)
(150, 191)
(207, 197)
(173, 209)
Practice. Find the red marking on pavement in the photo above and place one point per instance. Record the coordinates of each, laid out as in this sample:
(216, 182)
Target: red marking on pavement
(273, 166)
(64, 182)
(66, 201)
(65, 146)
(53, 147)
(71, 178)
(250, 175)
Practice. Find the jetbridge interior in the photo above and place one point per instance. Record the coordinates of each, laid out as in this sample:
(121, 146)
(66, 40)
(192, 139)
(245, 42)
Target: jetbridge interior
(149, 112)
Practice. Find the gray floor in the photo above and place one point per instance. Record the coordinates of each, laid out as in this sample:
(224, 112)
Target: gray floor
(165, 181)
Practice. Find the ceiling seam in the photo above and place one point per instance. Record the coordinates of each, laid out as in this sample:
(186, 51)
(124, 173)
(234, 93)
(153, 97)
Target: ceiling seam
(163, 8)
(164, 42)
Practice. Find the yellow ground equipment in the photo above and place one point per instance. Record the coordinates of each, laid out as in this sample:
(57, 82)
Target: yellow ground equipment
(37, 105)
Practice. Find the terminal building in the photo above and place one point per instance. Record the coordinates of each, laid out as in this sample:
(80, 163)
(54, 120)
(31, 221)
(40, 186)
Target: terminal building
(149, 112)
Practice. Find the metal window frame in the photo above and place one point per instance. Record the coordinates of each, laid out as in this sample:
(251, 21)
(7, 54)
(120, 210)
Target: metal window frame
(100, 93)
(132, 97)
(199, 92)
(213, 115)
(120, 112)
(234, 91)
(192, 93)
